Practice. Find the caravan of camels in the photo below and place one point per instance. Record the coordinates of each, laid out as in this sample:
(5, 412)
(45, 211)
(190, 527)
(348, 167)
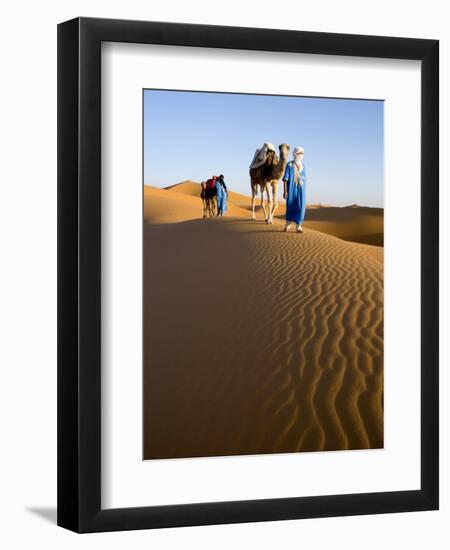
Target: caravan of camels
(266, 170)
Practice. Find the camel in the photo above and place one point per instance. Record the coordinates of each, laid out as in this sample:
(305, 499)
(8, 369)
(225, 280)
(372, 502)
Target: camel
(266, 177)
(208, 194)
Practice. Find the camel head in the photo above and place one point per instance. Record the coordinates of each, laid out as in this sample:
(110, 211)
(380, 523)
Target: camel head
(284, 151)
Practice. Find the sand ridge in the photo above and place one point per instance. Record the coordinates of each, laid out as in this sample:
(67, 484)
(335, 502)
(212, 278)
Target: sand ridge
(354, 223)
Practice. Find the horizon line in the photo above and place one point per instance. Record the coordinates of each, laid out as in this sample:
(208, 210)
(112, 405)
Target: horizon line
(330, 205)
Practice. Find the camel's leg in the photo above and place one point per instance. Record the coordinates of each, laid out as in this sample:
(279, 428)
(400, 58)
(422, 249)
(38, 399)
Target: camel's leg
(270, 200)
(274, 202)
(263, 202)
(254, 191)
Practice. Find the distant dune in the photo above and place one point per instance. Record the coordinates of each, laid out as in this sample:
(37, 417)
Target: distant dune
(257, 341)
(188, 187)
(355, 223)
(192, 188)
(351, 223)
(178, 204)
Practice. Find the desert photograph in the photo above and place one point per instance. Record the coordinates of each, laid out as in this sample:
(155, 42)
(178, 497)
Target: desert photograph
(262, 274)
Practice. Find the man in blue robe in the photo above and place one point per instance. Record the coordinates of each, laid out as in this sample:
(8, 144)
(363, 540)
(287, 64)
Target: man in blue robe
(221, 195)
(294, 180)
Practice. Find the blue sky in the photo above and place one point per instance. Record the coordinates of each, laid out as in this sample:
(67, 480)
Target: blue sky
(194, 135)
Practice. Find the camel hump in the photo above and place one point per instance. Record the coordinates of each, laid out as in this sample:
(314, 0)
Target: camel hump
(260, 155)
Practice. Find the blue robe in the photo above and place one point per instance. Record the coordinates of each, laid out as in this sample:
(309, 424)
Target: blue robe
(296, 194)
(221, 198)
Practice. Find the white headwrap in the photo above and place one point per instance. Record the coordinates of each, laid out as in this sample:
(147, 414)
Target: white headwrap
(297, 159)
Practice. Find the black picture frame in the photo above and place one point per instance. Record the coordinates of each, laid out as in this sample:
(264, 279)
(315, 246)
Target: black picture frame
(79, 274)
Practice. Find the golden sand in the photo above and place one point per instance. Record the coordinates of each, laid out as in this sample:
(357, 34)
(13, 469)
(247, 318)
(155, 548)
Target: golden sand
(257, 341)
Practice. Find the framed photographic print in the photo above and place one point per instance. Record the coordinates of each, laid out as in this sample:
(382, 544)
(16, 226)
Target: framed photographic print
(248, 275)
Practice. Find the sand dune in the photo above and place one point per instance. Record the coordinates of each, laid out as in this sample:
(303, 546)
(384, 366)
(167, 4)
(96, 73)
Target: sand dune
(187, 187)
(351, 223)
(192, 189)
(355, 223)
(257, 341)
(163, 206)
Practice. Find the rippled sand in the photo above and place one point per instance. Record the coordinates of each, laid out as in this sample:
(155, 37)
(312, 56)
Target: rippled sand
(257, 341)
